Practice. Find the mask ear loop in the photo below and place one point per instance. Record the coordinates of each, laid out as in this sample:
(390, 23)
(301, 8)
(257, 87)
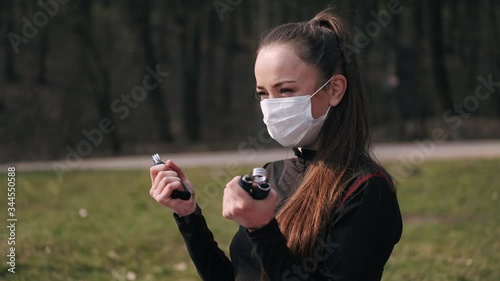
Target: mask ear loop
(328, 110)
(319, 89)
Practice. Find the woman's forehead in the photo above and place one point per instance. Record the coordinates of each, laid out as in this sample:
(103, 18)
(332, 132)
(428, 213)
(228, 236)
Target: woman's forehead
(280, 62)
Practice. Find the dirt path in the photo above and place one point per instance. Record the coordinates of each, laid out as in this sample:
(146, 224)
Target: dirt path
(403, 152)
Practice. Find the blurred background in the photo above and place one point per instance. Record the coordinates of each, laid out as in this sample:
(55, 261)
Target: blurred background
(95, 79)
(67, 65)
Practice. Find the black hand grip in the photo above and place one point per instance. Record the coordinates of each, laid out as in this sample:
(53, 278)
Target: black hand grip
(183, 195)
(177, 194)
(258, 192)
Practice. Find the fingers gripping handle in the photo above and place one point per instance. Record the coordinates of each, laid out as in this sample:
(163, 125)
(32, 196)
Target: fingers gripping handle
(256, 184)
(183, 195)
(176, 194)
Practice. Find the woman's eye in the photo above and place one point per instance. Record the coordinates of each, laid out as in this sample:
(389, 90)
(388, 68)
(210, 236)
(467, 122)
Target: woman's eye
(284, 91)
(261, 95)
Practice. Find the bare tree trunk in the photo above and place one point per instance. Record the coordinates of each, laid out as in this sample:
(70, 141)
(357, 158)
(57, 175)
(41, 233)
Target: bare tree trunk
(226, 62)
(361, 15)
(438, 55)
(100, 76)
(191, 81)
(213, 45)
(264, 13)
(493, 7)
(9, 55)
(405, 91)
(158, 100)
(44, 50)
(472, 25)
(190, 39)
(163, 55)
(454, 26)
(212, 54)
(424, 111)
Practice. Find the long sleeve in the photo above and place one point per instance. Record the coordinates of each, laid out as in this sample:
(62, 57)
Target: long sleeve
(209, 259)
(355, 247)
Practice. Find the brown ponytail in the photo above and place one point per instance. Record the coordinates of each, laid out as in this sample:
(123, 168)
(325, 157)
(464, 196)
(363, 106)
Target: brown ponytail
(344, 139)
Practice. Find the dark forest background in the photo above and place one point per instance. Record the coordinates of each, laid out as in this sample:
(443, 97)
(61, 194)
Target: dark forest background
(68, 71)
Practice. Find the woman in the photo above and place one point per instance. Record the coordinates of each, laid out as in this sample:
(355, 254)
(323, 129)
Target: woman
(332, 213)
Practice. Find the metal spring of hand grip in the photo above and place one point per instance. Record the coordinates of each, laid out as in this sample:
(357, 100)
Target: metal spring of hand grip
(256, 183)
(176, 194)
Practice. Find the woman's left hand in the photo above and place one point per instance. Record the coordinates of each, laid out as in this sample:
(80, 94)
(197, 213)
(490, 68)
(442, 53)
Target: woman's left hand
(239, 206)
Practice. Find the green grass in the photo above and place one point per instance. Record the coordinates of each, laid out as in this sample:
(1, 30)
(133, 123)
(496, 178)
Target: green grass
(451, 231)
(452, 226)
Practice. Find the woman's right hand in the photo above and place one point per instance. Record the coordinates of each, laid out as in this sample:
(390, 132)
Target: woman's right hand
(165, 178)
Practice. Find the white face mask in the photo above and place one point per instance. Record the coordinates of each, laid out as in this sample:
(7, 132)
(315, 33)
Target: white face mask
(289, 120)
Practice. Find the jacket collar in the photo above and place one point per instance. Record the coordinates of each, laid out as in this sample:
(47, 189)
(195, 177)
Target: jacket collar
(304, 154)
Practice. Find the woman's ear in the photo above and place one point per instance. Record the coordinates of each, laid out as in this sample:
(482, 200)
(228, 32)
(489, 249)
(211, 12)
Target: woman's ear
(336, 89)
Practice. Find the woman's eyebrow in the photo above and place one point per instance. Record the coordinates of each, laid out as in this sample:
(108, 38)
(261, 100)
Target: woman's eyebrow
(277, 84)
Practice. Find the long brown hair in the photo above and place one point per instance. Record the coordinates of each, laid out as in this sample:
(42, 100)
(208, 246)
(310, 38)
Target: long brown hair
(343, 150)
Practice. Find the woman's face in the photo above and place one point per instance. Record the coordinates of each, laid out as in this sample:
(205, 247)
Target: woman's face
(279, 72)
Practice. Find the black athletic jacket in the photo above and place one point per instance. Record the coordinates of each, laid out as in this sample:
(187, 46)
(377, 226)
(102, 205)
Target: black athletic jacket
(355, 247)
